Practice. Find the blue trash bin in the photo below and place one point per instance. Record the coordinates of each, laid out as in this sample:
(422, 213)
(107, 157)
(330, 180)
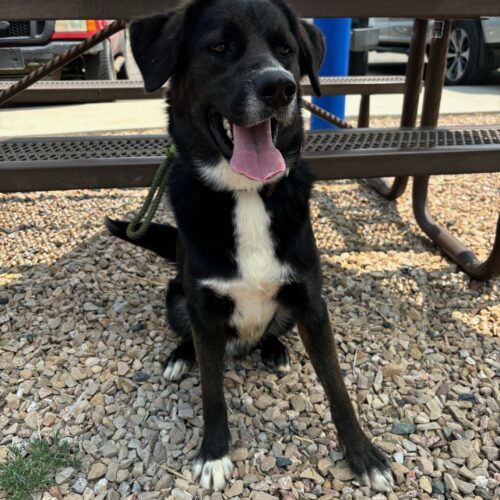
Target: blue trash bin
(338, 40)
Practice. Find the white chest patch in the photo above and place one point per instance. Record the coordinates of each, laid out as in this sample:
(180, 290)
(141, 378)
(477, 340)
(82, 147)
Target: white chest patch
(260, 273)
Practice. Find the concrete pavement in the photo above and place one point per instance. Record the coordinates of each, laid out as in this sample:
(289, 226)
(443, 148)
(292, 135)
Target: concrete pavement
(150, 114)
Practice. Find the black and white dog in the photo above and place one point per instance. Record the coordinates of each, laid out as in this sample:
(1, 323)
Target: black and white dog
(247, 259)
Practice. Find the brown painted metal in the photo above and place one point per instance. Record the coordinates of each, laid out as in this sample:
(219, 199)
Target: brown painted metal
(60, 61)
(436, 69)
(414, 75)
(364, 112)
(118, 9)
(49, 163)
(448, 243)
(357, 85)
(49, 91)
(80, 91)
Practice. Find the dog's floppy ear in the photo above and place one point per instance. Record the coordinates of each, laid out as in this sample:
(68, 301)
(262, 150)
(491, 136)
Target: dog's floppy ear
(155, 43)
(312, 52)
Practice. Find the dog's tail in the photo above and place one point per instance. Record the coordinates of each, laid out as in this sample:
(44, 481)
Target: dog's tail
(159, 238)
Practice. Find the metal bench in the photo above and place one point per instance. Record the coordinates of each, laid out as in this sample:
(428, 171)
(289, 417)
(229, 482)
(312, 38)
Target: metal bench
(99, 162)
(131, 161)
(55, 92)
(87, 91)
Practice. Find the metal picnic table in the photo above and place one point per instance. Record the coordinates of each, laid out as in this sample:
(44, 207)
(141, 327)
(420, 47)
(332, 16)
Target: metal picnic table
(99, 162)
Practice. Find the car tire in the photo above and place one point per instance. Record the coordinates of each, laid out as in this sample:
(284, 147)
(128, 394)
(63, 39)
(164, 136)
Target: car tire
(464, 54)
(100, 66)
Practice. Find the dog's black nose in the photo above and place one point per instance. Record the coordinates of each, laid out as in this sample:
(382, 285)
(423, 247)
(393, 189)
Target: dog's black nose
(275, 87)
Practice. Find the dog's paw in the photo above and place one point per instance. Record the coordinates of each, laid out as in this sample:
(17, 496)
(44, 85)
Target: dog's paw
(275, 357)
(213, 474)
(371, 467)
(176, 369)
(180, 361)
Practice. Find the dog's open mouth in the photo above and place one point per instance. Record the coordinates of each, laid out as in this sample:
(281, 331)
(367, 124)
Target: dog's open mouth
(250, 150)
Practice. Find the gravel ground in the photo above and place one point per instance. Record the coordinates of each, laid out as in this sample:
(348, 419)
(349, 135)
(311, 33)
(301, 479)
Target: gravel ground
(83, 337)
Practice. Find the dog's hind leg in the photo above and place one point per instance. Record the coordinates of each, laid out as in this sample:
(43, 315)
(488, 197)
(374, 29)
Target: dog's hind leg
(180, 361)
(177, 310)
(183, 356)
(274, 354)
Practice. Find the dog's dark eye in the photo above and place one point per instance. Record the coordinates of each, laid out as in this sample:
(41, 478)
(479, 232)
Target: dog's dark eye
(219, 48)
(284, 50)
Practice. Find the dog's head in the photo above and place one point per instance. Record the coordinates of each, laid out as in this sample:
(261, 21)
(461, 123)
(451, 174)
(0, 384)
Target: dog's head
(235, 68)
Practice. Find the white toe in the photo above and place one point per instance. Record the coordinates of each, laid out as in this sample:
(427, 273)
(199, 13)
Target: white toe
(175, 370)
(285, 368)
(381, 480)
(214, 473)
(197, 468)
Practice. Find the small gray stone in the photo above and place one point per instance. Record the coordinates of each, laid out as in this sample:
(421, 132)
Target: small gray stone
(491, 452)
(426, 466)
(136, 487)
(112, 495)
(112, 472)
(101, 486)
(164, 482)
(402, 428)
(484, 493)
(481, 481)
(122, 476)
(141, 376)
(178, 494)
(234, 490)
(298, 403)
(108, 449)
(464, 487)
(450, 483)
(185, 410)
(119, 421)
(79, 485)
(96, 471)
(134, 444)
(409, 446)
(159, 455)
(342, 471)
(283, 462)
(461, 448)
(438, 487)
(64, 474)
(267, 464)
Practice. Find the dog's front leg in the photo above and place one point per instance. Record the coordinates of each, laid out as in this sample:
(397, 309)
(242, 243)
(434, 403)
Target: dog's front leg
(366, 461)
(213, 465)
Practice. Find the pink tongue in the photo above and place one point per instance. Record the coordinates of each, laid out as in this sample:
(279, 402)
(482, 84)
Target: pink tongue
(254, 154)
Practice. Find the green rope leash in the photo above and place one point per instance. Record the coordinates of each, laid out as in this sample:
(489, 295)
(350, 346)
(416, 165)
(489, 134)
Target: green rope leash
(141, 222)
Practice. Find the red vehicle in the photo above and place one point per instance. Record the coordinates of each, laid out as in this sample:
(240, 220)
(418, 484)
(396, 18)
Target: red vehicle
(25, 45)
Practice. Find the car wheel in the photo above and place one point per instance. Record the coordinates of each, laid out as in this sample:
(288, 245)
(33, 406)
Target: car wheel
(100, 66)
(464, 53)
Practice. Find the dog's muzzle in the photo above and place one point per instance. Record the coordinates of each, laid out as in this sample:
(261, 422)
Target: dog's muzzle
(276, 88)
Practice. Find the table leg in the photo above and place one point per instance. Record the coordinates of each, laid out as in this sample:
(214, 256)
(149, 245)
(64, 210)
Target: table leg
(448, 243)
(364, 112)
(414, 75)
